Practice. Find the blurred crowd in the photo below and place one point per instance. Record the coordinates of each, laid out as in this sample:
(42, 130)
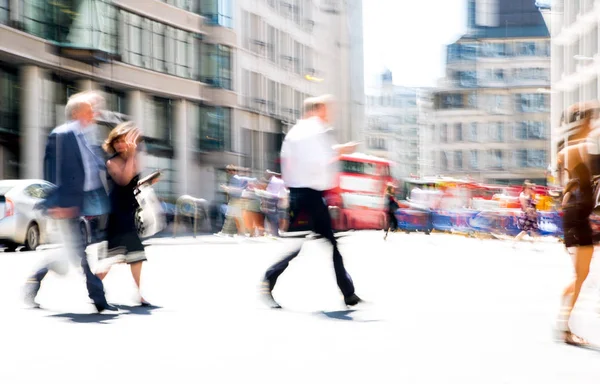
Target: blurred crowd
(257, 206)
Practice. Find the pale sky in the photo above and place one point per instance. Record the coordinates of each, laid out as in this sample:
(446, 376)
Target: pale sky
(409, 38)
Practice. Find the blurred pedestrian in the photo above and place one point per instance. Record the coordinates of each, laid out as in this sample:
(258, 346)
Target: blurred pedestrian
(234, 221)
(72, 165)
(309, 163)
(272, 204)
(580, 162)
(392, 206)
(528, 219)
(124, 176)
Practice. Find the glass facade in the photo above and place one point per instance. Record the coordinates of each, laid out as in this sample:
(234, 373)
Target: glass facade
(4, 11)
(79, 24)
(156, 46)
(218, 12)
(216, 66)
(215, 129)
(9, 101)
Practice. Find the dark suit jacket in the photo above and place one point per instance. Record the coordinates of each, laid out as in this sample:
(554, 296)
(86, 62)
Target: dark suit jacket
(64, 167)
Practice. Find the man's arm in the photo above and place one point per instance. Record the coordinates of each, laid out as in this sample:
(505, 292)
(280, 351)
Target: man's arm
(345, 149)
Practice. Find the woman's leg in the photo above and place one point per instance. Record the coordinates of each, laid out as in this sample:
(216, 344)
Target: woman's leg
(583, 259)
(136, 272)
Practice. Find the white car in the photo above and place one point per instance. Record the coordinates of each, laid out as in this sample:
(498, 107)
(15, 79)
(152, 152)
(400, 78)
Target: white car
(21, 222)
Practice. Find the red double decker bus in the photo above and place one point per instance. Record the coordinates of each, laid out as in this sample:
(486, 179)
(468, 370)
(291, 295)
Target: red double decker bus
(358, 201)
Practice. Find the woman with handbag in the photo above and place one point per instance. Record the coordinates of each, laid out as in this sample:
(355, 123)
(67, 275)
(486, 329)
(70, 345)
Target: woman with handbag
(123, 170)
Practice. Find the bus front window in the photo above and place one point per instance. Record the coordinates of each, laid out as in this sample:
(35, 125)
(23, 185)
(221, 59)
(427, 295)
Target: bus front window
(359, 168)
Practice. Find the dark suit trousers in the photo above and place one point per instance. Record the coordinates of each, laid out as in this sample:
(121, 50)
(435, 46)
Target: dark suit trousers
(311, 202)
(74, 244)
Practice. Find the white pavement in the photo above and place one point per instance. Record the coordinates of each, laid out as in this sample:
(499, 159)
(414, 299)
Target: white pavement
(443, 309)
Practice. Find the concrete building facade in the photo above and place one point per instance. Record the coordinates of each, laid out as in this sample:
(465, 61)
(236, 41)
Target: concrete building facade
(209, 82)
(491, 113)
(574, 26)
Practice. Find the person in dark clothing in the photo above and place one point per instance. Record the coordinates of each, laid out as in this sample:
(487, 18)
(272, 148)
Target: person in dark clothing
(71, 164)
(392, 207)
(309, 161)
(124, 169)
(576, 159)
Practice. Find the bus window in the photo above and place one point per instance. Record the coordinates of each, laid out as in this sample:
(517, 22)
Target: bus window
(360, 168)
(385, 170)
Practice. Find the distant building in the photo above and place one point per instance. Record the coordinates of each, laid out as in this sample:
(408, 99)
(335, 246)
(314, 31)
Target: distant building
(491, 113)
(392, 130)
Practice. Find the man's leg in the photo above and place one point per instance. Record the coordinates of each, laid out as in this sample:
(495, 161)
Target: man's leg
(74, 243)
(322, 226)
(57, 261)
(278, 268)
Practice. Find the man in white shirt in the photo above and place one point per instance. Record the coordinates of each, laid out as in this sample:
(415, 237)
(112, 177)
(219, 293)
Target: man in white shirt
(309, 159)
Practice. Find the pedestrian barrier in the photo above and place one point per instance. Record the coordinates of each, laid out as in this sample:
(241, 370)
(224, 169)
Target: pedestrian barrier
(453, 221)
(412, 220)
(192, 207)
(497, 222)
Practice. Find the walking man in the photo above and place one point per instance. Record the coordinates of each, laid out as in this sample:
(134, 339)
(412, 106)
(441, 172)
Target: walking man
(72, 165)
(309, 160)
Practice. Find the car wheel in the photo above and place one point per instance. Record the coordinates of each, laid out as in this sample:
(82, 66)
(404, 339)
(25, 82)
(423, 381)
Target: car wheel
(32, 239)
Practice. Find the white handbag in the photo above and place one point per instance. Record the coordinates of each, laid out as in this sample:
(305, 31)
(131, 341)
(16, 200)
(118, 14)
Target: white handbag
(149, 217)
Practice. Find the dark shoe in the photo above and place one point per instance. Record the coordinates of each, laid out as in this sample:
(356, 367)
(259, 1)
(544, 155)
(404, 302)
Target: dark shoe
(266, 293)
(352, 300)
(106, 308)
(32, 287)
(144, 303)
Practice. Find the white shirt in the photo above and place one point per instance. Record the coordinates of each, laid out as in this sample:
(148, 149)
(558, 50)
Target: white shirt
(308, 159)
(276, 186)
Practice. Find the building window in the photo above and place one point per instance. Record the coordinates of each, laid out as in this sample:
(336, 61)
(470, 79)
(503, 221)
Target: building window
(530, 130)
(458, 160)
(472, 100)
(9, 102)
(82, 24)
(496, 160)
(532, 102)
(115, 100)
(530, 158)
(188, 5)
(497, 131)
(156, 46)
(443, 133)
(215, 129)
(162, 112)
(473, 132)
(467, 78)
(474, 159)
(218, 12)
(134, 46)
(451, 101)
(165, 189)
(458, 133)
(216, 66)
(443, 161)
(4, 11)
(520, 158)
(272, 43)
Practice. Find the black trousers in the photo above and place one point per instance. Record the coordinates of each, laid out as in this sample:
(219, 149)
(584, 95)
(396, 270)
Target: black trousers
(311, 202)
(392, 220)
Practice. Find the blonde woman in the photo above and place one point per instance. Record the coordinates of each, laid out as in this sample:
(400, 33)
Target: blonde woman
(123, 169)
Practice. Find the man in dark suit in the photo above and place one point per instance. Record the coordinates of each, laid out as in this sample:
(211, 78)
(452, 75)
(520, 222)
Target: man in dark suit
(72, 165)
